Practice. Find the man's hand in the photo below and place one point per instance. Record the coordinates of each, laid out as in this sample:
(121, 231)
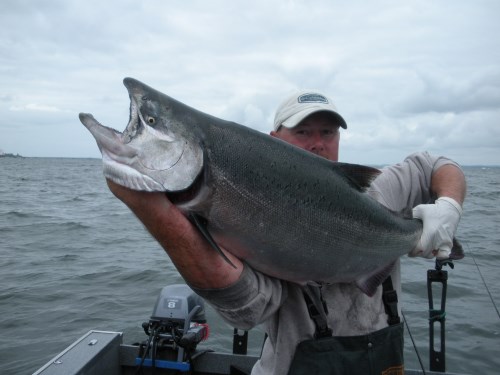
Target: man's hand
(440, 221)
(138, 200)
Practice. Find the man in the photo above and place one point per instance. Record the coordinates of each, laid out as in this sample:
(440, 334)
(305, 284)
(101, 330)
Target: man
(356, 329)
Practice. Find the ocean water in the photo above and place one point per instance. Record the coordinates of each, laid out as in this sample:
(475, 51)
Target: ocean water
(73, 258)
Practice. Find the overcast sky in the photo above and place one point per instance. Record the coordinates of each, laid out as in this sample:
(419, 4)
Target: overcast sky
(406, 75)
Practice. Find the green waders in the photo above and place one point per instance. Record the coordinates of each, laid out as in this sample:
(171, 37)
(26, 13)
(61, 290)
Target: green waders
(378, 353)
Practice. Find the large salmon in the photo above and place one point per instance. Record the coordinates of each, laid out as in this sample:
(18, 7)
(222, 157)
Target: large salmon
(286, 212)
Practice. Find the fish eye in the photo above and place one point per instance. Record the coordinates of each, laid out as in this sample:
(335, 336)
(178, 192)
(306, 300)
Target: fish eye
(151, 120)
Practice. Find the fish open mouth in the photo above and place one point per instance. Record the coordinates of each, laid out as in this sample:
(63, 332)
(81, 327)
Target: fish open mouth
(109, 140)
(118, 156)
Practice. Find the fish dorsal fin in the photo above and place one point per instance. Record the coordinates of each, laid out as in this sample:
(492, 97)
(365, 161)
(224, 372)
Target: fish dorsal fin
(201, 225)
(358, 176)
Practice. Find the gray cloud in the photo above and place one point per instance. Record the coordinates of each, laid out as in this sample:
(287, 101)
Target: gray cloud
(406, 76)
(459, 92)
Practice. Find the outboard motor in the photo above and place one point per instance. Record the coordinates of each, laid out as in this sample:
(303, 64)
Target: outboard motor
(175, 328)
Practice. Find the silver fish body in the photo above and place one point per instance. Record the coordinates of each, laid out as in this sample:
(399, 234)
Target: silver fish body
(286, 212)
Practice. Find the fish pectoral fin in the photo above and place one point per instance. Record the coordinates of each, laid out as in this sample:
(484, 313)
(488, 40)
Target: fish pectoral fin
(201, 224)
(371, 282)
(359, 176)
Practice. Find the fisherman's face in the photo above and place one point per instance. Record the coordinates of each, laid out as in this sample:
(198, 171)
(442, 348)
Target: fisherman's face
(317, 133)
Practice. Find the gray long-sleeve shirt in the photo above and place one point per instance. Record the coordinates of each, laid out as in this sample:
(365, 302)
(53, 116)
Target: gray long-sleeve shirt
(279, 305)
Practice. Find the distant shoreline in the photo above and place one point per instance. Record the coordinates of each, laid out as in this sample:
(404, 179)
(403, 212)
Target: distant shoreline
(11, 156)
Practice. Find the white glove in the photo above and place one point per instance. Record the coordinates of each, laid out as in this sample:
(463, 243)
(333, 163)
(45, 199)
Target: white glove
(440, 222)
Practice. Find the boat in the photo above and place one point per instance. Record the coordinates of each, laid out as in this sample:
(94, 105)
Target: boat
(173, 332)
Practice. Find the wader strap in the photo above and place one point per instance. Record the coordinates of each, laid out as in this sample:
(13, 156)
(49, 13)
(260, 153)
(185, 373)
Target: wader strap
(390, 299)
(318, 310)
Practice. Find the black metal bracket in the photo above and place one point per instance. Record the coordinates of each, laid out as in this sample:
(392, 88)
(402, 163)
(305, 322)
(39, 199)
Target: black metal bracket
(240, 342)
(438, 315)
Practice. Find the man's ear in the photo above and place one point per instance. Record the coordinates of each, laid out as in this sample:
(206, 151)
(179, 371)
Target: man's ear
(273, 133)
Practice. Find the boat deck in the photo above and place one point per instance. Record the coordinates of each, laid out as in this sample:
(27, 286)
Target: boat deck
(102, 352)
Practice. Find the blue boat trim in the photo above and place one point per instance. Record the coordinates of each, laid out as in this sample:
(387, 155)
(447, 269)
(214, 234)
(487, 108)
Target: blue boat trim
(161, 363)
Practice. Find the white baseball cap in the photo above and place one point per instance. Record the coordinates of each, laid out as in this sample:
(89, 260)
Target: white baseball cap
(301, 104)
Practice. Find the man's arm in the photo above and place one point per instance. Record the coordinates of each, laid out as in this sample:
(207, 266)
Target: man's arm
(199, 264)
(440, 220)
(449, 181)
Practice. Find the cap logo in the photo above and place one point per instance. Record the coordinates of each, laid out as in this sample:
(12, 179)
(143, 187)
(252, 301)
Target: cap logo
(312, 98)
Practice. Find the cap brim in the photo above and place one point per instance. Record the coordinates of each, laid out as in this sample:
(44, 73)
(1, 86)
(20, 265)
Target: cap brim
(294, 120)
